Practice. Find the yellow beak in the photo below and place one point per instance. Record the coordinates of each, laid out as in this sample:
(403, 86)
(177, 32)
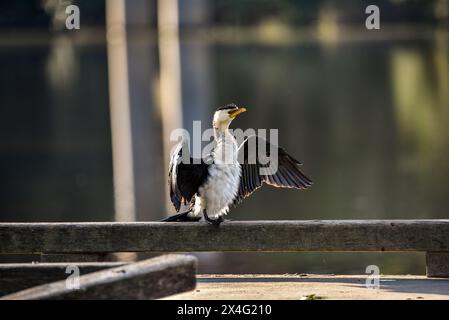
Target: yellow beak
(237, 112)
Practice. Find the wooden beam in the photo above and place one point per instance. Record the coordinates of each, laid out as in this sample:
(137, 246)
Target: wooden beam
(148, 279)
(19, 276)
(76, 257)
(437, 264)
(338, 235)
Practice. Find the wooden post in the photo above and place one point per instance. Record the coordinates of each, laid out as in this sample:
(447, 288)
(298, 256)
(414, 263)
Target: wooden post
(122, 153)
(437, 264)
(147, 279)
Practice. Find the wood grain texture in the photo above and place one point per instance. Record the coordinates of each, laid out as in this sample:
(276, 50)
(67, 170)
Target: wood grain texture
(76, 257)
(19, 276)
(437, 264)
(326, 235)
(148, 279)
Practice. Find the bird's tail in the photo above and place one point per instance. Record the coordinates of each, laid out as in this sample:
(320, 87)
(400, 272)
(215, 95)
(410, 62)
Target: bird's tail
(181, 217)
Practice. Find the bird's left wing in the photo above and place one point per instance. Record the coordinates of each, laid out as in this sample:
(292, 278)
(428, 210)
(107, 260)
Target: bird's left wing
(281, 171)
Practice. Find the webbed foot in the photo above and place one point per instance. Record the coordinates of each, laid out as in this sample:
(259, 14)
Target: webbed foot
(214, 222)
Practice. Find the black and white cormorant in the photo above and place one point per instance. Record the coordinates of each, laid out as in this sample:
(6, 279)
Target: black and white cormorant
(210, 186)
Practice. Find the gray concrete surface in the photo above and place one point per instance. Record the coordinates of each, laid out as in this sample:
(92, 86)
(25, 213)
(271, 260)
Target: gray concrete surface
(296, 287)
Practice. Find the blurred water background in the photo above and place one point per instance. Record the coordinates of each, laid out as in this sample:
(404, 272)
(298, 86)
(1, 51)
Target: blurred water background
(367, 112)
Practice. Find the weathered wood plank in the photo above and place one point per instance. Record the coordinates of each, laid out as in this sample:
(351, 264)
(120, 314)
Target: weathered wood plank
(326, 235)
(148, 279)
(437, 264)
(19, 276)
(76, 257)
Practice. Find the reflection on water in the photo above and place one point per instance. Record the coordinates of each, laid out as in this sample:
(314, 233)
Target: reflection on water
(368, 120)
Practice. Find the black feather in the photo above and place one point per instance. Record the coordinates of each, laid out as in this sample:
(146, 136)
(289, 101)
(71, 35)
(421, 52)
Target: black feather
(228, 107)
(189, 178)
(288, 174)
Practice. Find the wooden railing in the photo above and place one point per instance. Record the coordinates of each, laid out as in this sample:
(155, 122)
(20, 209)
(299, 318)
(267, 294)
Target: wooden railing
(319, 235)
(76, 241)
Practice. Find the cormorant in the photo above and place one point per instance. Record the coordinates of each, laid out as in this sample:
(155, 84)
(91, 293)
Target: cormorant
(210, 186)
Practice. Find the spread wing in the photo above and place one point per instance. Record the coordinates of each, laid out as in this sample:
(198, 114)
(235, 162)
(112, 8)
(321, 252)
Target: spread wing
(258, 169)
(184, 179)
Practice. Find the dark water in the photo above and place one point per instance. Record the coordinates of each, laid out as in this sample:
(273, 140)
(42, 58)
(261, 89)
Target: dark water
(369, 120)
(55, 134)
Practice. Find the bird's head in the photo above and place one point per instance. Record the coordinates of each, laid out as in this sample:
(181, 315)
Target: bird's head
(224, 116)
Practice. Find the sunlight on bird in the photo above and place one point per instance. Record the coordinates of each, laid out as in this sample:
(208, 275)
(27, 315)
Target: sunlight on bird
(209, 186)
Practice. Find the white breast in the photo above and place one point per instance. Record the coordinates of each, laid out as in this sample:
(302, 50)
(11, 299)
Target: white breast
(222, 185)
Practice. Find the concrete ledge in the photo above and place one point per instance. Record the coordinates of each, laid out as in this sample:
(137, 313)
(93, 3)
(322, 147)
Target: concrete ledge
(313, 286)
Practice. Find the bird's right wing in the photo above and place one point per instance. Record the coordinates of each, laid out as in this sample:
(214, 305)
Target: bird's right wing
(184, 179)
